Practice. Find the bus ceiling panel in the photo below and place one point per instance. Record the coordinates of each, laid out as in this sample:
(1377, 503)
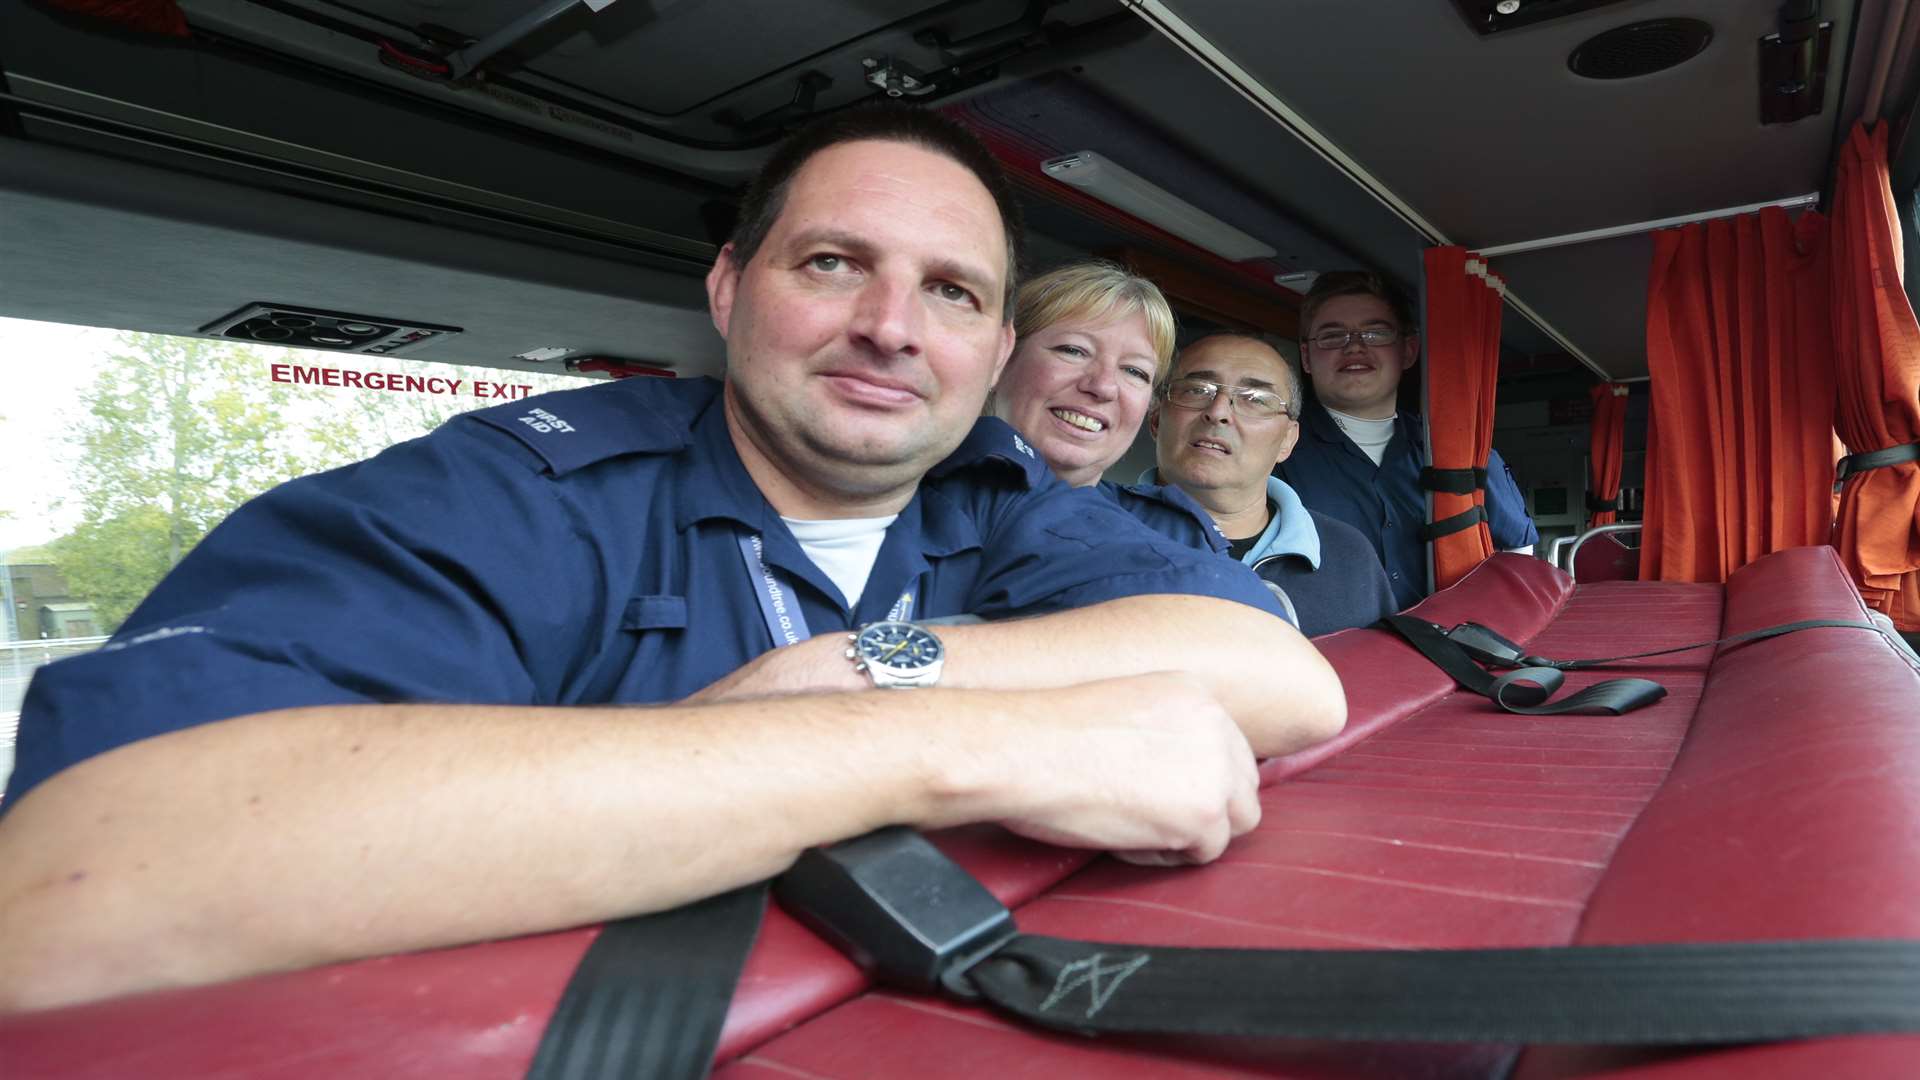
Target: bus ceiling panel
(696, 52)
(99, 242)
(1030, 121)
(1493, 140)
(702, 75)
(1173, 121)
(1594, 293)
(1175, 116)
(1519, 334)
(210, 100)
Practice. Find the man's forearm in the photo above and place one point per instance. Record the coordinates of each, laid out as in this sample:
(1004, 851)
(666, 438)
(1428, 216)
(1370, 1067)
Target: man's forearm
(302, 837)
(1276, 685)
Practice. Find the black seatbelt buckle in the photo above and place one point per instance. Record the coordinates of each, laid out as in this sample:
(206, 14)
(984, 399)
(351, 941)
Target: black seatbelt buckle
(1487, 646)
(897, 905)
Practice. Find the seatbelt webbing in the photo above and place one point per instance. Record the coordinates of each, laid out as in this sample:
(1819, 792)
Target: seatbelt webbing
(1534, 679)
(1735, 639)
(1631, 994)
(1524, 690)
(651, 993)
(653, 1001)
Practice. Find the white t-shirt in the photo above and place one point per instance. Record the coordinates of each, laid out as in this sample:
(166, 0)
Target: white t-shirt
(843, 549)
(1371, 436)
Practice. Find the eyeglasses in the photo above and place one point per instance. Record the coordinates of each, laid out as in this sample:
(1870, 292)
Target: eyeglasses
(1336, 340)
(1247, 401)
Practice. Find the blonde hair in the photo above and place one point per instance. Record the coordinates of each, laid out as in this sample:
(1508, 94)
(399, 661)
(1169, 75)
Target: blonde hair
(1096, 291)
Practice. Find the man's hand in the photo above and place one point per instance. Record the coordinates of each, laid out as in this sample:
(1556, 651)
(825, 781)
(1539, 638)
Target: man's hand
(1274, 682)
(1150, 766)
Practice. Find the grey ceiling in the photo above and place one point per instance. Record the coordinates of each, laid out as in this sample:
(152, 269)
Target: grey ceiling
(139, 248)
(1491, 141)
(1494, 141)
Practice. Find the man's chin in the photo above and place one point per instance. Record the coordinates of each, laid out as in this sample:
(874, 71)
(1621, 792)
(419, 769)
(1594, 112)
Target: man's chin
(877, 464)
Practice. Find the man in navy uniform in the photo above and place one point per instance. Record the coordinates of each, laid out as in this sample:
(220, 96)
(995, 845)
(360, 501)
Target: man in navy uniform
(1359, 458)
(1227, 414)
(350, 722)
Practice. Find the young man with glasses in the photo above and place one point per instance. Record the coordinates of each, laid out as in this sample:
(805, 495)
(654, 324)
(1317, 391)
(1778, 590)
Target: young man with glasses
(1359, 459)
(1224, 419)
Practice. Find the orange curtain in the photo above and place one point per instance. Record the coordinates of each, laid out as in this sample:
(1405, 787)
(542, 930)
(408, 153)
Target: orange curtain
(1606, 442)
(1877, 357)
(1739, 451)
(1463, 363)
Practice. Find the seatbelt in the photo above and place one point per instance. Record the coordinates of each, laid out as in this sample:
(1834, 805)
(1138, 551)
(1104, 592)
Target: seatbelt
(917, 920)
(651, 993)
(1532, 680)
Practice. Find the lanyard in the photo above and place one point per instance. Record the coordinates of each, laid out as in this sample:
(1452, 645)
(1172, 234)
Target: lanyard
(777, 604)
(780, 608)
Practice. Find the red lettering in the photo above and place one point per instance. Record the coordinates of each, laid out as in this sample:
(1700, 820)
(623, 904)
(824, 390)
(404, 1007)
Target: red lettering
(525, 390)
(482, 389)
(453, 386)
(416, 385)
(351, 378)
(330, 376)
(280, 374)
(306, 375)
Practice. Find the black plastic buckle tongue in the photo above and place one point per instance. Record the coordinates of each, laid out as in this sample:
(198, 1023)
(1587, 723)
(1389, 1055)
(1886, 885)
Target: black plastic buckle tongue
(1487, 646)
(899, 907)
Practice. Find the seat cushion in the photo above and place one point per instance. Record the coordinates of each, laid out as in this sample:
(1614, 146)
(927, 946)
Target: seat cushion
(1771, 794)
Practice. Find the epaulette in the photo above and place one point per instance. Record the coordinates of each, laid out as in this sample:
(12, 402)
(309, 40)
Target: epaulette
(993, 442)
(570, 429)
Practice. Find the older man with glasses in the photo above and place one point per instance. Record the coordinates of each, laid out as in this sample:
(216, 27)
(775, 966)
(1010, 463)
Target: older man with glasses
(1360, 458)
(1225, 417)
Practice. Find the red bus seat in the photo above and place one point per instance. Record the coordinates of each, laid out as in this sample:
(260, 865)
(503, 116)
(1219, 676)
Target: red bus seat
(1774, 793)
(1609, 556)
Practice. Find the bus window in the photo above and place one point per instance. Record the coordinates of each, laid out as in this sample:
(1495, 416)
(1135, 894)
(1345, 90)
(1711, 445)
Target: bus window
(127, 448)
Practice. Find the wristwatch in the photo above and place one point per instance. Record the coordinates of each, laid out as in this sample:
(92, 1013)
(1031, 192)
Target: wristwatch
(897, 655)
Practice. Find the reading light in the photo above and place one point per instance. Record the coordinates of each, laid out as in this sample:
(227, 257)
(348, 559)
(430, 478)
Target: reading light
(1122, 190)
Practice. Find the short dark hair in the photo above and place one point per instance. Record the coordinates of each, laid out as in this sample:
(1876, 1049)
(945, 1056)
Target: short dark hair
(1297, 382)
(766, 196)
(1356, 283)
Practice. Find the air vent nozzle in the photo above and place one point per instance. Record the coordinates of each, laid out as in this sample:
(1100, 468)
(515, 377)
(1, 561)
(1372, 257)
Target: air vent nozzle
(312, 328)
(1642, 48)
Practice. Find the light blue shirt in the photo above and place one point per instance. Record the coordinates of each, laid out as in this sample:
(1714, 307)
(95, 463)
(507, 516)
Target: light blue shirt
(1291, 532)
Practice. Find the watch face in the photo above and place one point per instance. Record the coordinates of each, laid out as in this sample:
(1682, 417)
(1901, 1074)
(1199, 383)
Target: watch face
(898, 645)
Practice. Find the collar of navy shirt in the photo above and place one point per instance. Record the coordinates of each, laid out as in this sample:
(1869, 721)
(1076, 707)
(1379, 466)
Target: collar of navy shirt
(716, 484)
(1320, 424)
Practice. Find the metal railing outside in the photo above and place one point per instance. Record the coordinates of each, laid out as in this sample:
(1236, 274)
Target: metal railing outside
(18, 661)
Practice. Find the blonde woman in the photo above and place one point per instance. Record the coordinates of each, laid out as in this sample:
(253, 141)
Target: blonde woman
(1093, 341)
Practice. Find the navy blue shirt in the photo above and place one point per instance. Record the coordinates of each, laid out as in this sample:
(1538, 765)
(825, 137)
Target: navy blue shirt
(1345, 589)
(1168, 511)
(1326, 569)
(582, 547)
(1385, 501)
